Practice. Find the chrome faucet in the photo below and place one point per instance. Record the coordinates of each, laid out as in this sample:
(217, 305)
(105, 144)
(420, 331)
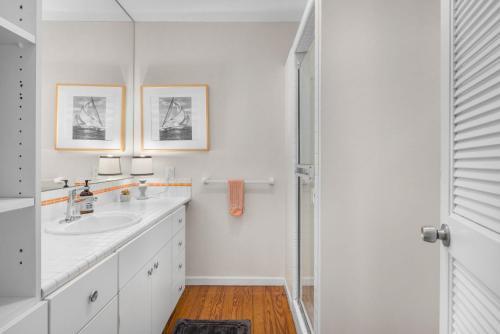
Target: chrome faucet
(72, 209)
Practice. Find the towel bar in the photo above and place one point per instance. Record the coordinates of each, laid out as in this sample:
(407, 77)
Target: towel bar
(270, 181)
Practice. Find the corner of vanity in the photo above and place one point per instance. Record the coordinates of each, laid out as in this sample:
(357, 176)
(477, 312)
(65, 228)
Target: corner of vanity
(130, 286)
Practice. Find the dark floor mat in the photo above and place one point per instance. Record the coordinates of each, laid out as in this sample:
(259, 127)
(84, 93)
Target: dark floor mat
(186, 326)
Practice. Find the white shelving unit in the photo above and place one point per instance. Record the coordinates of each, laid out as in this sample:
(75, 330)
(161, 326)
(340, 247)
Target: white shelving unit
(19, 163)
(12, 34)
(9, 204)
(10, 307)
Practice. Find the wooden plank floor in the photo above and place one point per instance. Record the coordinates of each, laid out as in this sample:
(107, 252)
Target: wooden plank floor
(266, 306)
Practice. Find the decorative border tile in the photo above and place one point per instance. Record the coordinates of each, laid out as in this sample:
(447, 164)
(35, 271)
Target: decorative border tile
(56, 200)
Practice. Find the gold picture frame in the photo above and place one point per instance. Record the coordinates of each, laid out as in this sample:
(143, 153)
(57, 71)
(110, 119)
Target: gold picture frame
(182, 145)
(85, 145)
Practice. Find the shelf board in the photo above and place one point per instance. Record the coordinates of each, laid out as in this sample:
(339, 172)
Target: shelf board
(13, 34)
(10, 204)
(12, 307)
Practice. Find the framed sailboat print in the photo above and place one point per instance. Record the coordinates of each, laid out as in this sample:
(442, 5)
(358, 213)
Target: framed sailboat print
(90, 117)
(175, 117)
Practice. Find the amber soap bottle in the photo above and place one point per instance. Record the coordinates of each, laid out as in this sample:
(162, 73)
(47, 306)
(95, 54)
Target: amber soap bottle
(86, 199)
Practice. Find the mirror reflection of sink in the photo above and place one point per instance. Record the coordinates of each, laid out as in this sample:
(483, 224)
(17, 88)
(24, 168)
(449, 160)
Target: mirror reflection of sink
(94, 223)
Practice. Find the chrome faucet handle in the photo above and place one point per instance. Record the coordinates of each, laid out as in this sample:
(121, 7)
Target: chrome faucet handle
(72, 212)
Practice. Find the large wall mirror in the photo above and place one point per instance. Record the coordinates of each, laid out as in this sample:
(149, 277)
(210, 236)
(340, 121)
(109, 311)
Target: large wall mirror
(87, 69)
(112, 87)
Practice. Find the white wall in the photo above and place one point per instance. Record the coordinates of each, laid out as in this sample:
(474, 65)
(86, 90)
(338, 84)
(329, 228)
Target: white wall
(380, 166)
(82, 53)
(243, 64)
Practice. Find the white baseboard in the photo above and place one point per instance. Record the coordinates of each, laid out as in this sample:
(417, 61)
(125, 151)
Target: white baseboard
(300, 325)
(237, 280)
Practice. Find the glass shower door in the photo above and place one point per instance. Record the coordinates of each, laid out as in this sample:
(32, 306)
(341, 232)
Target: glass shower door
(305, 175)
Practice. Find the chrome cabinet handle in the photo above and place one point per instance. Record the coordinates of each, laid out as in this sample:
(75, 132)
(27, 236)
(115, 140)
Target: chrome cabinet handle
(180, 243)
(180, 288)
(157, 264)
(180, 265)
(432, 234)
(150, 272)
(93, 296)
(180, 220)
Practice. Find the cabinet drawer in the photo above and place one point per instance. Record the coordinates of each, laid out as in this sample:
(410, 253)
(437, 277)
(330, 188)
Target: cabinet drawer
(72, 306)
(179, 268)
(105, 321)
(179, 243)
(177, 290)
(137, 252)
(179, 218)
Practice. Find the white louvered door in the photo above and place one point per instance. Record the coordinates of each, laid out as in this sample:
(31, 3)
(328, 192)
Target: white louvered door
(470, 266)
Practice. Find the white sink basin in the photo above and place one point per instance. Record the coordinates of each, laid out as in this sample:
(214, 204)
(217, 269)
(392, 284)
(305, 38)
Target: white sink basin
(148, 205)
(94, 223)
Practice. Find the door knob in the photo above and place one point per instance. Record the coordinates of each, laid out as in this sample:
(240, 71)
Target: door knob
(432, 234)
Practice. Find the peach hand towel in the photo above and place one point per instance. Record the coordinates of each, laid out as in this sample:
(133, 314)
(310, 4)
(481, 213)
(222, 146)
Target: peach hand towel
(236, 192)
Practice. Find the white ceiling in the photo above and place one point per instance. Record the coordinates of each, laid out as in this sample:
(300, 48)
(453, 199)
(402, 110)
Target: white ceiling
(176, 10)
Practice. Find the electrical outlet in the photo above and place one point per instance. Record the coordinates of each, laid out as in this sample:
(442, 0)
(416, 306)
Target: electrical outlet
(170, 172)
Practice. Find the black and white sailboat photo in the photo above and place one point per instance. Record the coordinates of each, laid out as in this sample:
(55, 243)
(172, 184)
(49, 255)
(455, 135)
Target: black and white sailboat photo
(89, 121)
(175, 118)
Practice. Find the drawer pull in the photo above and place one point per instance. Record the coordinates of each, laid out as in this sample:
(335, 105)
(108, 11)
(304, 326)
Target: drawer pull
(180, 220)
(180, 288)
(93, 296)
(180, 243)
(157, 264)
(150, 272)
(180, 266)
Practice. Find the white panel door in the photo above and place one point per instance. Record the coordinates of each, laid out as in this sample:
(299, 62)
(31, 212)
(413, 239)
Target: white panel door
(470, 266)
(135, 304)
(162, 282)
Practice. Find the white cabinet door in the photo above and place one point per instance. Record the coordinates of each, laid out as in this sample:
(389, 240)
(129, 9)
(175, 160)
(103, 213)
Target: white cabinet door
(162, 282)
(135, 304)
(470, 270)
(105, 322)
(140, 250)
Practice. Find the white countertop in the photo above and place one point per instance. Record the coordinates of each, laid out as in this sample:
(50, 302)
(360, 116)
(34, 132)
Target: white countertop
(65, 257)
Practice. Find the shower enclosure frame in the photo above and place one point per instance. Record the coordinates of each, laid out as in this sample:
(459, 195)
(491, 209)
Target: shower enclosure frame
(307, 35)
